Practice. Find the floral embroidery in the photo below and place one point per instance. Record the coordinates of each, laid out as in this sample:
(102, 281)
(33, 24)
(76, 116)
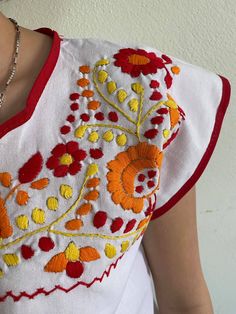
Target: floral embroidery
(125, 172)
(72, 260)
(66, 159)
(132, 177)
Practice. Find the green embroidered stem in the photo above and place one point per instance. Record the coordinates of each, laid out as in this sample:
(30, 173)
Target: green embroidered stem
(115, 106)
(112, 127)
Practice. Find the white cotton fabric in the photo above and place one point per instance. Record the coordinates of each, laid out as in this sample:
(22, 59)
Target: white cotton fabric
(128, 288)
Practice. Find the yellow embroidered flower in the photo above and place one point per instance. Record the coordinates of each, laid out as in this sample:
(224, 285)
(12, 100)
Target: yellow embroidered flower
(134, 175)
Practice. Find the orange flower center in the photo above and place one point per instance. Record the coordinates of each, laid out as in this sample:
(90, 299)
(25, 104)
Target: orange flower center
(138, 60)
(66, 159)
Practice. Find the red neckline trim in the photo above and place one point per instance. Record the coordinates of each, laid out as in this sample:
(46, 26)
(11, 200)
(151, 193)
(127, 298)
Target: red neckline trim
(226, 91)
(39, 84)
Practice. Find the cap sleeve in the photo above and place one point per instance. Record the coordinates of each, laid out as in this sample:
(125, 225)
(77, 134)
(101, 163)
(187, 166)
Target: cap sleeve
(201, 98)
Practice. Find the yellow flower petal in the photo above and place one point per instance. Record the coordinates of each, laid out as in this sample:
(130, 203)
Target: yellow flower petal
(72, 252)
(92, 169)
(52, 203)
(108, 136)
(38, 215)
(110, 250)
(22, 222)
(11, 259)
(66, 191)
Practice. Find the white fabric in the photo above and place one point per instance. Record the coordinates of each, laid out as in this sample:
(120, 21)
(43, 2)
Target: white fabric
(128, 287)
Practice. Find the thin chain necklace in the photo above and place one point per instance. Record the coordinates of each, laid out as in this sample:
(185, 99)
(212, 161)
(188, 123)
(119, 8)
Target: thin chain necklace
(13, 70)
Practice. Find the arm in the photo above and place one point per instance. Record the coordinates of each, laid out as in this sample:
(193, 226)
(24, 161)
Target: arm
(171, 246)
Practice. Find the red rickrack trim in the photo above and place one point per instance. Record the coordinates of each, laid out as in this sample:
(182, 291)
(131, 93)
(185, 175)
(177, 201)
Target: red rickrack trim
(226, 91)
(58, 287)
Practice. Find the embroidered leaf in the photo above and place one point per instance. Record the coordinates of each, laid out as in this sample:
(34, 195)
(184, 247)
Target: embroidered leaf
(22, 222)
(6, 229)
(57, 263)
(84, 209)
(30, 169)
(5, 178)
(38, 215)
(92, 195)
(52, 203)
(66, 191)
(110, 250)
(40, 184)
(88, 254)
(74, 224)
(22, 197)
(124, 246)
(92, 169)
(11, 259)
(92, 183)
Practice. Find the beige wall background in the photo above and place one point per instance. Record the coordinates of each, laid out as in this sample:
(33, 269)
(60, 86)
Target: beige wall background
(202, 32)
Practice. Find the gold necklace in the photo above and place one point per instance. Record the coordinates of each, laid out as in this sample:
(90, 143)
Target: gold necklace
(13, 70)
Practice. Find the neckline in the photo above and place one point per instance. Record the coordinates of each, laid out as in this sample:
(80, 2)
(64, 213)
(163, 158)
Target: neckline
(39, 84)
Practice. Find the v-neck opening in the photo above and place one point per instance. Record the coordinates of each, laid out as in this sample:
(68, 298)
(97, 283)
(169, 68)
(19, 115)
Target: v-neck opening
(39, 84)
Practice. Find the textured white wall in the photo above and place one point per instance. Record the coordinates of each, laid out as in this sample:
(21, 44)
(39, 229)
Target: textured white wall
(201, 32)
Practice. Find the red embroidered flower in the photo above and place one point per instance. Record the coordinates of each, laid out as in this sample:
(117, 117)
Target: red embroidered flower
(138, 61)
(66, 159)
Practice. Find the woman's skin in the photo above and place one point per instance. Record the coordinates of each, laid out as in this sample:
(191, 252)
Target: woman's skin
(170, 241)
(33, 52)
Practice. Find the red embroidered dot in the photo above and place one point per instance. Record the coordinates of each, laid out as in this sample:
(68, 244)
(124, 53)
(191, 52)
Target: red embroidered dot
(141, 177)
(99, 219)
(99, 116)
(71, 118)
(74, 106)
(116, 224)
(154, 84)
(139, 189)
(65, 129)
(74, 269)
(130, 224)
(156, 96)
(26, 251)
(151, 184)
(151, 173)
(157, 120)
(151, 133)
(46, 244)
(85, 117)
(74, 96)
(112, 116)
(96, 153)
(162, 111)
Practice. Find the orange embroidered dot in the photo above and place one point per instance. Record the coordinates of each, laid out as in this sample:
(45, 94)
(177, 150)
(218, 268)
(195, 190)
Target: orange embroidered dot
(83, 82)
(84, 69)
(88, 93)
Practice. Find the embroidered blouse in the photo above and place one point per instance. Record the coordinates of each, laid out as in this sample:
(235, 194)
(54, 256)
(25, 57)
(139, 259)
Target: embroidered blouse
(111, 137)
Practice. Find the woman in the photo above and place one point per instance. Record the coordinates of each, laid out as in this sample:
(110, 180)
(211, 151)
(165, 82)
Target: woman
(41, 259)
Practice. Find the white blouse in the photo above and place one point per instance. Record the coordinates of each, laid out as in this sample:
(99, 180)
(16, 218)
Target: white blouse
(111, 137)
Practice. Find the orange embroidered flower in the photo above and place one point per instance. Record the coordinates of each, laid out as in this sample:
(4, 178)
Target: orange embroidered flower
(66, 159)
(134, 175)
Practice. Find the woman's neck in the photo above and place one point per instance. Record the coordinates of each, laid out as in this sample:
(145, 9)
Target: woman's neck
(7, 46)
(33, 46)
